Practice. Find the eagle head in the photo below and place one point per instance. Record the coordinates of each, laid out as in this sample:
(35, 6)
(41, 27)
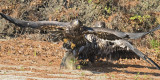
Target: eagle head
(76, 24)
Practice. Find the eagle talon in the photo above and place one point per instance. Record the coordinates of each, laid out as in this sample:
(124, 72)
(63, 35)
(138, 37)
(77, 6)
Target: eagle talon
(73, 45)
(65, 40)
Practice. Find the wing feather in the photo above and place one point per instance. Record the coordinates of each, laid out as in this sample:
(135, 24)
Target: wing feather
(120, 43)
(32, 24)
(136, 51)
(119, 33)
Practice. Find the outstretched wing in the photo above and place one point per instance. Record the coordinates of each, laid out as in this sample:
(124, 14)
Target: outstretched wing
(118, 33)
(32, 24)
(136, 51)
(108, 46)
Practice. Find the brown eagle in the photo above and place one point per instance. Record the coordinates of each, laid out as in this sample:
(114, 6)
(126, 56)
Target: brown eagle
(87, 42)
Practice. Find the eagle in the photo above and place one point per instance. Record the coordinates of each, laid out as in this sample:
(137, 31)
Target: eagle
(87, 42)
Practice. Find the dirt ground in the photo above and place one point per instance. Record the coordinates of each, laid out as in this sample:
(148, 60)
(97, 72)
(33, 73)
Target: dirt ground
(26, 59)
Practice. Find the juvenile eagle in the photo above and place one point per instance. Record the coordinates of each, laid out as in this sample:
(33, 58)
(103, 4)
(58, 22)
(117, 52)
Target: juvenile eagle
(77, 38)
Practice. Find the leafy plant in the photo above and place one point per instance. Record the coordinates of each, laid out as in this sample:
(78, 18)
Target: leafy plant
(89, 1)
(108, 9)
(140, 18)
(137, 75)
(35, 53)
(154, 43)
(4, 73)
(113, 76)
(50, 63)
(9, 52)
(82, 73)
(79, 67)
(145, 76)
(22, 68)
(73, 61)
(105, 76)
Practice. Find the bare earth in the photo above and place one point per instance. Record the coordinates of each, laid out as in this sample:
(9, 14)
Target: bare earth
(25, 59)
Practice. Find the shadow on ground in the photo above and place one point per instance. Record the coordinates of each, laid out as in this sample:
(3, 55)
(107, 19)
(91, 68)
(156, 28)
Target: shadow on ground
(108, 67)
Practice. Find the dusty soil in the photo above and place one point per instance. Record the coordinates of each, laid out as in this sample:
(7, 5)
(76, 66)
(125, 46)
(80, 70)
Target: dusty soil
(26, 59)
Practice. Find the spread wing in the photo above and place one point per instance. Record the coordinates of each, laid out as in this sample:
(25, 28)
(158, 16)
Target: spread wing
(32, 24)
(136, 51)
(106, 47)
(119, 34)
(54, 27)
(108, 40)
